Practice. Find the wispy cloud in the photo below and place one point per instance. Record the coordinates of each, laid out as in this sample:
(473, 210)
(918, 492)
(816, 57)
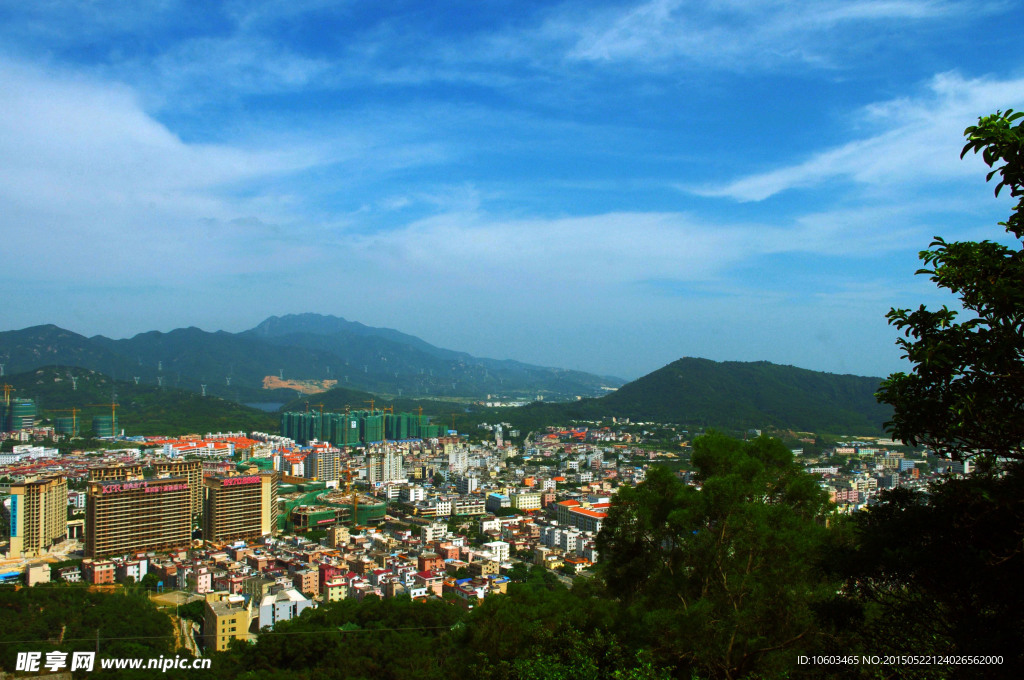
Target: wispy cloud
(917, 140)
(748, 36)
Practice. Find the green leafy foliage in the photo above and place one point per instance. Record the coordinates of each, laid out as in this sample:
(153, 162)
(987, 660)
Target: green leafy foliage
(730, 394)
(940, 573)
(965, 394)
(65, 618)
(721, 580)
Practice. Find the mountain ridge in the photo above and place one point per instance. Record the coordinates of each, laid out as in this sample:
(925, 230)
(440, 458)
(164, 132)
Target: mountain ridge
(303, 346)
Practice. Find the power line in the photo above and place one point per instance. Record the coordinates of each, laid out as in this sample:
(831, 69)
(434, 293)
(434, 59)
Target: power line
(262, 634)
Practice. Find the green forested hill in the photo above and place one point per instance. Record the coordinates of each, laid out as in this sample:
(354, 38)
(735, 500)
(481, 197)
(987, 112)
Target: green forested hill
(294, 347)
(752, 394)
(142, 409)
(727, 394)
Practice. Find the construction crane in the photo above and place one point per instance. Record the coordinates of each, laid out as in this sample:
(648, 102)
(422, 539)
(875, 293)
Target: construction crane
(321, 423)
(352, 495)
(419, 421)
(74, 416)
(7, 393)
(384, 423)
(113, 415)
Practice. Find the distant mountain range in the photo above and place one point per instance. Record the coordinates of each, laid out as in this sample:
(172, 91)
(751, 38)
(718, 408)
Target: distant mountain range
(293, 347)
(694, 392)
(368, 362)
(731, 394)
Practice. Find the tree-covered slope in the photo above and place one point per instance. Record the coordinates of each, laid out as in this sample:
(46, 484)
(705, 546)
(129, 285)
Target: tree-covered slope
(752, 394)
(305, 347)
(728, 394)
(142, 409)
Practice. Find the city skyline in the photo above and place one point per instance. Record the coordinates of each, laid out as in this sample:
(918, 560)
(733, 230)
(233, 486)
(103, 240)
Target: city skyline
(598, 186)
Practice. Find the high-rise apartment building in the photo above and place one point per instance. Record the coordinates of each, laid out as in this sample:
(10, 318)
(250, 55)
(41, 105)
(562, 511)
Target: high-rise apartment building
(39, 515)
(239, 508)
(192, 470)
(136, 515)
(323, 464)
(116, 473)
(382, 468)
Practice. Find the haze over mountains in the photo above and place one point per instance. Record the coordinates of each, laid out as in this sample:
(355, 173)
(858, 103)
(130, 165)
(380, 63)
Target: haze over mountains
(354, 361)
(294, 347)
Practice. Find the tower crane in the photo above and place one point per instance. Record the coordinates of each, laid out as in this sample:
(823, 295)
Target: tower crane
(113, 415)
(74, 416)
(352, 495)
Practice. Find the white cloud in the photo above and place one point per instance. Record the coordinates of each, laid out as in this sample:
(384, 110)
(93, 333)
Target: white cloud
(742, 35)
(108, 189)
(918, 140)
(564, 255)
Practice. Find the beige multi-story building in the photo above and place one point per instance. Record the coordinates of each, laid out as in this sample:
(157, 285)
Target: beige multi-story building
(525, 501)
(192, 470)
(116, 473)
(133, 516)
(239, 508)
(227, 618)
(39, 515)
(323, 464)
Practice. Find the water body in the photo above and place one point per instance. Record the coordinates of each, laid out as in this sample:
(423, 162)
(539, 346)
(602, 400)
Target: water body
(268, 406)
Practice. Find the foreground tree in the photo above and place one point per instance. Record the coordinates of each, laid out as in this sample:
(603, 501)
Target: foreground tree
(939, 573)
(965, 394)
(720, 581)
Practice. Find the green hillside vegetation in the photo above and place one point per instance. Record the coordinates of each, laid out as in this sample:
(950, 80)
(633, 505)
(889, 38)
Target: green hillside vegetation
(335, 400)
(75, 619)
(142, 409)
(729, 395)
(295, 347)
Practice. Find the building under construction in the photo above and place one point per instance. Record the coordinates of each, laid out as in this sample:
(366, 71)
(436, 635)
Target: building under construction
(358, 428)
(17, 414)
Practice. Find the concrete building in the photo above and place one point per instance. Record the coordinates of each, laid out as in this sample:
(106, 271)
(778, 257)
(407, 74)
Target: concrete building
(116, 473)
(499, 549)
(525, 501)
(282, 606)
(227, 618)
(239, 508)
(497, 501)
(382, 468)
(37, 574)
(98, 572)
(192, 470)
(468, 506)
(307, 581)
(39, 515)
(134, 516)
(465, 485)
(323, 464)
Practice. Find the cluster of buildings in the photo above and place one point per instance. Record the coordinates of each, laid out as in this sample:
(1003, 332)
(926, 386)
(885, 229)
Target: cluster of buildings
(265, 526)
(854, 473)
(127, 512)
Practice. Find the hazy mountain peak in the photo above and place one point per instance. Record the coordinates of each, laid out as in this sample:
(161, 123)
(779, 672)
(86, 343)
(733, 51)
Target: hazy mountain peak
(308, 322)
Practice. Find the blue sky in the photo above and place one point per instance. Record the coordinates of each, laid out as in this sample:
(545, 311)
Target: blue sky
(605, 186)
